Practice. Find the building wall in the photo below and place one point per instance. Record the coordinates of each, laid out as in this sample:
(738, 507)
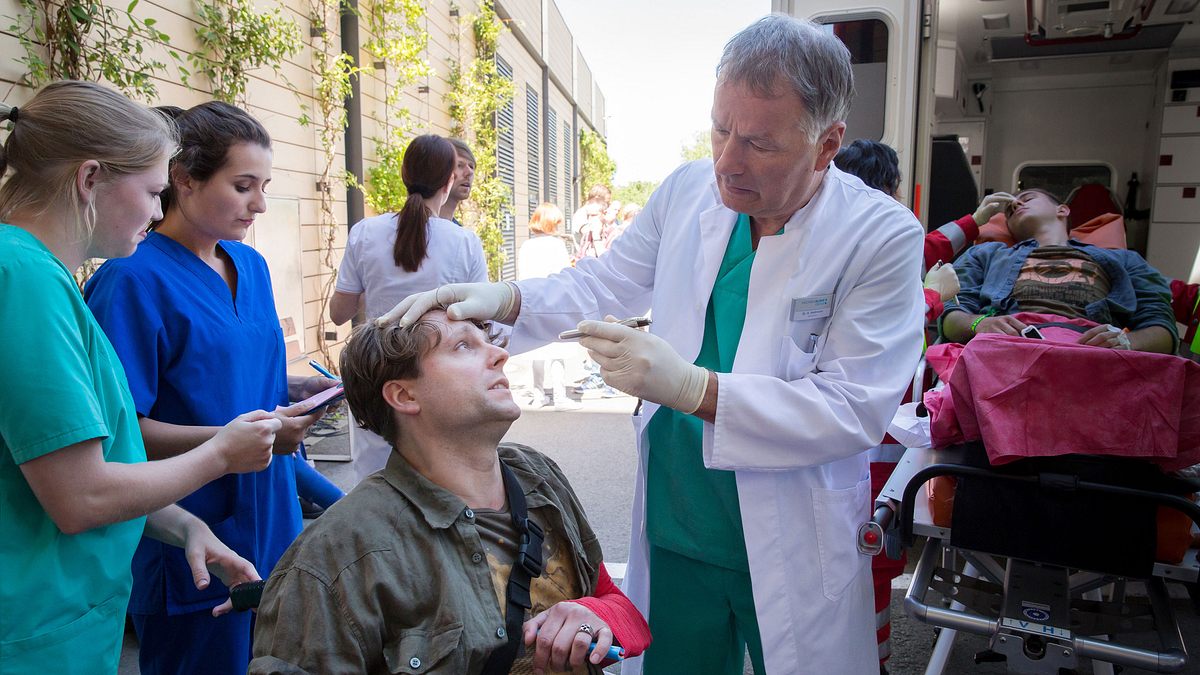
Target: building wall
(290, 235)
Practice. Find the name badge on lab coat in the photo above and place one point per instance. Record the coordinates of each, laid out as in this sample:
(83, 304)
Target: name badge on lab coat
(812, 307)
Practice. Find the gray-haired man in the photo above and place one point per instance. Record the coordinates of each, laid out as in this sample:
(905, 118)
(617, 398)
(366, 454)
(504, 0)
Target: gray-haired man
(753, 472)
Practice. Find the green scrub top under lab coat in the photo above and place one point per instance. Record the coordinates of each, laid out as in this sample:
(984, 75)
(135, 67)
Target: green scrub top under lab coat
(692, 510)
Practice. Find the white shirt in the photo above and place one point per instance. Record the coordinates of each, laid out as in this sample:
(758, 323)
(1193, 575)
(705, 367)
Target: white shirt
(541, 256)
(454, 255)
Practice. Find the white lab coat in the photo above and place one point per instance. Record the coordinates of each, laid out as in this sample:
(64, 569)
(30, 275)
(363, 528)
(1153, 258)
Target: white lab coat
(796, 415)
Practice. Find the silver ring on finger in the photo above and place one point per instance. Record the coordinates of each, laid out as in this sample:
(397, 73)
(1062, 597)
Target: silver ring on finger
(586, 628)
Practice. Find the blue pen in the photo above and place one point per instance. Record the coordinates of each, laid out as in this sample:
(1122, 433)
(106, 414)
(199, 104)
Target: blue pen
(615, 653)
(321, 369)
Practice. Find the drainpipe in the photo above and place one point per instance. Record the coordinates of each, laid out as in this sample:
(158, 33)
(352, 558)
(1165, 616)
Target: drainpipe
(354, 152)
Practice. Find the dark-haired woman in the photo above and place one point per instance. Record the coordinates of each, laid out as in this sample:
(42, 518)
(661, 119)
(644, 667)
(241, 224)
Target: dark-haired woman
(192, 317)
(75, 486)
(391, 256)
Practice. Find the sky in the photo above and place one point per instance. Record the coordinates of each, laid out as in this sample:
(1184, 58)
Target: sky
(654, 60)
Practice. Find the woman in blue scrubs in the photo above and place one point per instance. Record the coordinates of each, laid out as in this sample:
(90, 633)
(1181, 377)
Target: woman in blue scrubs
(192, 317)
(75, 486)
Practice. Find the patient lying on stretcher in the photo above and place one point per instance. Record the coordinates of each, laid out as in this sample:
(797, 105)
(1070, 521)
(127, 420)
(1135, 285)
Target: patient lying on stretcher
(1048, 272)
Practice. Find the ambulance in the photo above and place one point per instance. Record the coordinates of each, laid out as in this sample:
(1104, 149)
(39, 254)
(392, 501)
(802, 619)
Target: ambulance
(979, 96)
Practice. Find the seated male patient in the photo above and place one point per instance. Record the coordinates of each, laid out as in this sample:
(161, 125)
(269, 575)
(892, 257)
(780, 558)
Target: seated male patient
(1050, 273)
(409, 573)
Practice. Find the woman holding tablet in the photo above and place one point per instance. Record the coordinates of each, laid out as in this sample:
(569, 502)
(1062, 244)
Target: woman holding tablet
(192, 317)
(75, 487)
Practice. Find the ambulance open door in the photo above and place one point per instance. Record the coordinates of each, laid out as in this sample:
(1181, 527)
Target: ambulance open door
(886, 42)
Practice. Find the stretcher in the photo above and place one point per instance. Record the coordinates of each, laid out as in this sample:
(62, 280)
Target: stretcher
(1041, 586)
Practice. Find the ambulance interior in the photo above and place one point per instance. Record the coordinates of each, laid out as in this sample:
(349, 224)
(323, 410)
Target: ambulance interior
(1056, 93)
(1052, 94)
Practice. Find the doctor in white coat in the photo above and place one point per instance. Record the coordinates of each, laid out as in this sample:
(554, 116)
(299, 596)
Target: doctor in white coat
(832, 300)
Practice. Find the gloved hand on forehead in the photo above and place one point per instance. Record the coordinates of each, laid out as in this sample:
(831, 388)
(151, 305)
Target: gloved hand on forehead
(990, 206)
(483, 301)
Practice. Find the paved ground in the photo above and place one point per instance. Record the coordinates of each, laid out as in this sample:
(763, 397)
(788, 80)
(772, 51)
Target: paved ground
(594, 447)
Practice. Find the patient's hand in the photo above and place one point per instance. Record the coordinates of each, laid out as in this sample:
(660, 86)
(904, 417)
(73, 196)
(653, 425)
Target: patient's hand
(944, 280)
(561, 645)
(1005, 325)
(1105, 335)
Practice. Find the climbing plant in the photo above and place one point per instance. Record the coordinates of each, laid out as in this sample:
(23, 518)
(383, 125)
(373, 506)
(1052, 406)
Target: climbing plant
(398, 42)
(477, 94)
(235, 38)
(597, 167)
(333, 70)
(89, 40)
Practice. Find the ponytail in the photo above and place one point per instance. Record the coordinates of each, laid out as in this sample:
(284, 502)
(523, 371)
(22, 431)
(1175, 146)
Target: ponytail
(412, 240)
(8, 112)
(426, 169)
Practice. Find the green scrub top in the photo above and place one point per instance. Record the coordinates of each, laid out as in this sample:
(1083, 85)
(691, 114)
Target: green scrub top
(690, 509)
(62, 597)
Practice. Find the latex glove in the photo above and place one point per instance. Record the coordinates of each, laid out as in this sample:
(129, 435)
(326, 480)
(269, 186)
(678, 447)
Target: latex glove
(643, 365)
(990, 206)
(482, 301)
(944, 280)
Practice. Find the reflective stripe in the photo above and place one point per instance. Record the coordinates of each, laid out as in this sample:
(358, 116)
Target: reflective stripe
(958, 238)
(883, 632)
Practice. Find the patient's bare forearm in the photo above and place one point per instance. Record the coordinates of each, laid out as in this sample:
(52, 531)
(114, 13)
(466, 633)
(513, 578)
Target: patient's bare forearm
(1152, 339)
(956, 326)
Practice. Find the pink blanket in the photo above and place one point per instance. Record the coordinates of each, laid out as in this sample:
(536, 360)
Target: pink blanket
(1042, 398)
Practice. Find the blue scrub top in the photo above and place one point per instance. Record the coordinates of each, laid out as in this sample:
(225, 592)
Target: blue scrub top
(196, 356)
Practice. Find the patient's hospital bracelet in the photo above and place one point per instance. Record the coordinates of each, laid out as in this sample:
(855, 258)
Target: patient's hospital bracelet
(981, 317)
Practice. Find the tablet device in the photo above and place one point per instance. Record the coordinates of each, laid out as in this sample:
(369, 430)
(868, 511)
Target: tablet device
(330, 395)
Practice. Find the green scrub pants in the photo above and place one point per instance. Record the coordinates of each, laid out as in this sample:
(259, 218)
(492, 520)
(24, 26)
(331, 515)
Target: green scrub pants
(701, 618)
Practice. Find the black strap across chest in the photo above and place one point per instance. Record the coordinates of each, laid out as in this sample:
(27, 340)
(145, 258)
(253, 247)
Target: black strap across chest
(528, 565)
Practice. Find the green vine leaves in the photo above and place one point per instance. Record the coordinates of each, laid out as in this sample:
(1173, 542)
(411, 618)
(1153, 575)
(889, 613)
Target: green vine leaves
(234, 39)
(477, 94)
(89, 41)
(597, 167)
(398, 43)
(334, 72)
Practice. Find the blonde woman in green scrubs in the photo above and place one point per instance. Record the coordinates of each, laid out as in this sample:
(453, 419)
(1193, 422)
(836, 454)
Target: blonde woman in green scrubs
(85, 166)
